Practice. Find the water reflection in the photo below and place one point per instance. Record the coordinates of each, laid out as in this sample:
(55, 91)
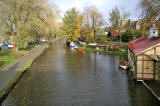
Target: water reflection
(61, 77)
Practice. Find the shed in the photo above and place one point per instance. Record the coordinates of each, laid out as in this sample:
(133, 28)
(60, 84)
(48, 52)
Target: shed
(144, 57)
(113, 33)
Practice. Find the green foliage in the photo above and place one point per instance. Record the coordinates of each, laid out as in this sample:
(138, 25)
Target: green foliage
(21, 39)
(138, 33)
(115, 38)
(90, 40)
(102, 38)
(127, 36)
(100, 32)
(70, 21)
(26, 20)
(114, 17)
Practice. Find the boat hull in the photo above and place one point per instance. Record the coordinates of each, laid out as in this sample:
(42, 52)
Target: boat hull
(123, 67)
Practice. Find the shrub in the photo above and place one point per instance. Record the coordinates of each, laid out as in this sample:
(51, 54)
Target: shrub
(100, 32)
(90, 40)
(115, 39)
(102, 39)
(127, 36)
(138, 33)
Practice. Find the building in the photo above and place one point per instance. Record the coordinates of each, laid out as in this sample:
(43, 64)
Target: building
(136, 25)
(112, 34)
(144, 56)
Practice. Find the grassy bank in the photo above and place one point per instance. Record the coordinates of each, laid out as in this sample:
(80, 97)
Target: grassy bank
(120, 51)
(10, 55)
(5, 91)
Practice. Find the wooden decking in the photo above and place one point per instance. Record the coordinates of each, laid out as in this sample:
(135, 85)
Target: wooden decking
(154, 87)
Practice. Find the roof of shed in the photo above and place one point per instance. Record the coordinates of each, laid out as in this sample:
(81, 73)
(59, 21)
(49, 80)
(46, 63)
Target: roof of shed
(114, 33)
(143, 43)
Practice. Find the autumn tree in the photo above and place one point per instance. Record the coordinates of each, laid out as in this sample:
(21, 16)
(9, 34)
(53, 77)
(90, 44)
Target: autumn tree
(70, 22)
(79, 26)
(118, 20)
(150, 13)
(93, 19)
(25, 19)
(114, 18)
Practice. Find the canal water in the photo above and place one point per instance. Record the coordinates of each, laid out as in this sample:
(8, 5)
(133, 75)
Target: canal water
(62, 77)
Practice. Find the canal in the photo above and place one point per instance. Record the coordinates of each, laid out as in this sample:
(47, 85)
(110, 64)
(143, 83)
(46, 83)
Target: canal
(61, 77)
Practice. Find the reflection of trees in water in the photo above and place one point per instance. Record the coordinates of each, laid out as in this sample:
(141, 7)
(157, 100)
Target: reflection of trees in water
(139, 95)
(113, 61)
(32, 86)
(73, 60)
(124, 57)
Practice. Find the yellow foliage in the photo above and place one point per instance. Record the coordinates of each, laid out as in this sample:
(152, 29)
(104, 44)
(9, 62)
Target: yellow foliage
(79, 26)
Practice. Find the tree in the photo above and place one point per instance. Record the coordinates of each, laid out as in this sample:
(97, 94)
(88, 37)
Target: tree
(79, 26)
(100, 32)
(70, 22)
(93, 19)
(138, 33)
(123, 17)
(127, 36)
(150, 13)
(114, 18)
(25, 19)
(118, 20)
(150, 8)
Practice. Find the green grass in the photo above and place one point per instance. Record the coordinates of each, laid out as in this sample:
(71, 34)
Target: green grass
(122, 51)
(6, 52)
(10, 55)
(7, 59)
(116, 43)
(93, 49)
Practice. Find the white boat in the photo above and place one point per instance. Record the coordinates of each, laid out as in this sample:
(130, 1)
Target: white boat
(124, 65)
(72, 44)
(82, 43)
(75, 47)
(92, 44)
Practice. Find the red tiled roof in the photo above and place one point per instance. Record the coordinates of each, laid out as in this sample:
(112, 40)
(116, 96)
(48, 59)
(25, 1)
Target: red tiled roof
(143, 43)
(115, 33)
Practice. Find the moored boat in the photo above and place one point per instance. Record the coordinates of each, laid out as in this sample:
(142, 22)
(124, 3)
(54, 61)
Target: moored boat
(124, 65)
(79, 49)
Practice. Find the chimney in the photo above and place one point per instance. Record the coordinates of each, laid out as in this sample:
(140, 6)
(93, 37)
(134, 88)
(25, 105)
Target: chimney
(153, 32)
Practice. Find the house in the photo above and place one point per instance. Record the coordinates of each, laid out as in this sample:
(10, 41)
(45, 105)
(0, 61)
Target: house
(136, 25)
(144, 56)
(113, 33)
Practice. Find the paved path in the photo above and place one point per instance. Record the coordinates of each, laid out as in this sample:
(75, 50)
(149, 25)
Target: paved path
(11, 69)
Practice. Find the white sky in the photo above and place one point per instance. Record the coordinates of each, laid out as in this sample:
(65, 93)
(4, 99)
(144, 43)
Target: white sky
(104, 6)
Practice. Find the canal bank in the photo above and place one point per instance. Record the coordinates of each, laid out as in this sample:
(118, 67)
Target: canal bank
(64, 77)
(13, 72)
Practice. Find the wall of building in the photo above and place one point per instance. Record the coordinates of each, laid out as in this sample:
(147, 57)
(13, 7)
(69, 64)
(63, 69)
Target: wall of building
(146, 65)
(131, 60)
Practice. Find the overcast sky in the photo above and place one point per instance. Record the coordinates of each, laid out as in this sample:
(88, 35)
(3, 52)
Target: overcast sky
(104, 6)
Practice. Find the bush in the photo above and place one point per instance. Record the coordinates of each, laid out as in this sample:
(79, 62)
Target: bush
(90, 40)
(138, 33)
(127, 36)
(115, 39)
(102, 39)
(100, 32)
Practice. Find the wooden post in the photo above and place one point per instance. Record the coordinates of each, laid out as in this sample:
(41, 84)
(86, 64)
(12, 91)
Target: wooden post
(142, 65)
